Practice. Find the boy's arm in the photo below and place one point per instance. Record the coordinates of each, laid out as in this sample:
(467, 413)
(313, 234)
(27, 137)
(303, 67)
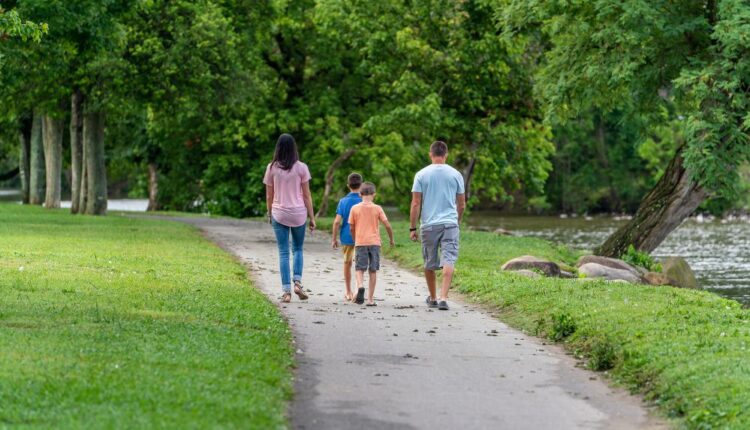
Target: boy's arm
(389, 230)
(335, 232)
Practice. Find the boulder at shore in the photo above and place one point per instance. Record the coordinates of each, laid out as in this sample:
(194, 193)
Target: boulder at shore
(609, 262)
(596, 270)
(527, 273)
(529, 262)
(679, 271)
(656, 278)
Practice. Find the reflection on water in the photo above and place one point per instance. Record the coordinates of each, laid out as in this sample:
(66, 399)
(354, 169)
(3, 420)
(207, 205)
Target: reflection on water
(717, 250)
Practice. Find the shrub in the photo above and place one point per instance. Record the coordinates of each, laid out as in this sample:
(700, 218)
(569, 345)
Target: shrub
(562, 326)
(642, 259)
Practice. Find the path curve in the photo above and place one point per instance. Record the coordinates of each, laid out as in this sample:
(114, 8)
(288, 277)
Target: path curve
(403, 366)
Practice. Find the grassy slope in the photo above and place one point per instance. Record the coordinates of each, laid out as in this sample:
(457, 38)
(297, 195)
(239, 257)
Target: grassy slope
(122, 323)
(686, 349)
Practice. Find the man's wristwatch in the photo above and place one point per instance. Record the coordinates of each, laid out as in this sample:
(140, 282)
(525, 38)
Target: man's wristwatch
(412, 229)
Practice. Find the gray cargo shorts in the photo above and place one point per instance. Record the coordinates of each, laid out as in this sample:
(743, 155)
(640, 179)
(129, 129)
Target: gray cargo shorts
(439, 246)
(367, 258)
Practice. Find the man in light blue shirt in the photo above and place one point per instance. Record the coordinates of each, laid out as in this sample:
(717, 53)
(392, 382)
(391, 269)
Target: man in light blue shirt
(438, 194)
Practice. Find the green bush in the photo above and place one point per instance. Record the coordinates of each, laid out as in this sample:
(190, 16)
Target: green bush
(562, 326)
(642, 259)
(603, 354)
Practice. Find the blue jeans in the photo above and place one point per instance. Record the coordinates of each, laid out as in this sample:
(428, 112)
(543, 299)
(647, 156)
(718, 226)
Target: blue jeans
(282, 240)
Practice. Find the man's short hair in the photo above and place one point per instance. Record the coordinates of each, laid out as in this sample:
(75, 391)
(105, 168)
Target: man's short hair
(439, 148)
(367, 189)
(354, 181)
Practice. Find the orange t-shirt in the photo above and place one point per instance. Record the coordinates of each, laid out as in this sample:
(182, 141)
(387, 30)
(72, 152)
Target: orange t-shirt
(365, 218)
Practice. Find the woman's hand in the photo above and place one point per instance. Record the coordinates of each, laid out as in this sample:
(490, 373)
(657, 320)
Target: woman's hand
(311, 224)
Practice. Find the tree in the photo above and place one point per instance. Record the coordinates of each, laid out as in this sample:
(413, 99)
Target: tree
(689, 56)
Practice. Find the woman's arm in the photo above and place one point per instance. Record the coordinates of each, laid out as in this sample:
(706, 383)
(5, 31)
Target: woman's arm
(269, 200)
(308, 204)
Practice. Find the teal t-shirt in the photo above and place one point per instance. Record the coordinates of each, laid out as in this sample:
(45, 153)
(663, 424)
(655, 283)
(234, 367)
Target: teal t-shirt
(439, 184)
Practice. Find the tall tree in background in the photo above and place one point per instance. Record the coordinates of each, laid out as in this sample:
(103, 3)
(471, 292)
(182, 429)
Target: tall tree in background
(649, 55)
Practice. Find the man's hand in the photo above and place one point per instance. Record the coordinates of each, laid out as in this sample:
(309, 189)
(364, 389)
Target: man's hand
(414, 236)
(334, 243)
(392, 243)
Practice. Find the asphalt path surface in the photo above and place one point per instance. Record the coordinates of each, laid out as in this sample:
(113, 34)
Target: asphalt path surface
(400, 365)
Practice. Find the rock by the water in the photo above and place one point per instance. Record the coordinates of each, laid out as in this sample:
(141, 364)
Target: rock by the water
(503, 232)
(596, 270)
(529, 262)
(527, 273)
(679, 271)
(609, 262)
(566, 274)
(656, 278)
(483, 228)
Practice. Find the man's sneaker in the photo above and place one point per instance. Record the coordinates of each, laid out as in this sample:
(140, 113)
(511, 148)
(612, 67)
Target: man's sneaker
(431, 303)
(443, 305)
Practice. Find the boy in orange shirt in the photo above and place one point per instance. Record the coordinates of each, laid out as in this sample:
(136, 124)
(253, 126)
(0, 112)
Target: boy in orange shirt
(364, 224)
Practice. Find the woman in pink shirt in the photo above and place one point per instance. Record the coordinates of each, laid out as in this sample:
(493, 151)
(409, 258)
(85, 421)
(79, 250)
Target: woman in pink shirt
(289, 206)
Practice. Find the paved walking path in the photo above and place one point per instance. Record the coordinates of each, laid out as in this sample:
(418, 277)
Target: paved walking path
(402, 366)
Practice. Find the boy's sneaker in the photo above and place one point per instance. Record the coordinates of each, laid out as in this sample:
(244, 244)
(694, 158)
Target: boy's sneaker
(360, 296)
(431, 303)
(443, 305)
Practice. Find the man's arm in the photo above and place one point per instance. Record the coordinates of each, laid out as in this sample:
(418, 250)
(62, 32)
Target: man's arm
(335, 232)
(269, 200)
(416, 207)
(460, 206)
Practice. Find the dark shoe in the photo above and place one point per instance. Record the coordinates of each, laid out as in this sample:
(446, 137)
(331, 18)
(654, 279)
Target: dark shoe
(443, 305)
(431, 303)
(360, 296)
(371, 304)
(298, 289)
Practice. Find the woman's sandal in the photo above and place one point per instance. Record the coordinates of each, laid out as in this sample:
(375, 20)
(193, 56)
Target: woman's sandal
(286, 298)
(299, 291)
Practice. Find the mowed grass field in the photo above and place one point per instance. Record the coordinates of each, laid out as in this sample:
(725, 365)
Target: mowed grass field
(113, 322)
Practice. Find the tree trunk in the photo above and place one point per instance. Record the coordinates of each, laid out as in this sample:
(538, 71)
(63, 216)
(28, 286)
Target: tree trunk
(24, 137)
(153, 188)
(96, 172)
(329, 180)
(673, 199)
(468, 175)
(36, 162)
(76, 150)
(83, 191)
(52, 136)
(601, 150)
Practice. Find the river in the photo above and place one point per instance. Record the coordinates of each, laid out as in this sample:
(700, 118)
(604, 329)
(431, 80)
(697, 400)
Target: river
(718, 250)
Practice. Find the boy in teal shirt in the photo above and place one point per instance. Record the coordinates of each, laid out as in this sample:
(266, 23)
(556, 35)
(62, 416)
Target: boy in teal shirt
(341, 227)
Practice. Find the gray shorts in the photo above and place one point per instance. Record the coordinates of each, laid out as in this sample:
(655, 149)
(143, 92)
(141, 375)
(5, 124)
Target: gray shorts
(367, 258)
(439, 246)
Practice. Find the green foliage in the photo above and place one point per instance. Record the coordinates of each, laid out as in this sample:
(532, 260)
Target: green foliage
(642, 259)
(684, 349)
(129, 323)
(11, 25)
(562, 326)
(691, 57)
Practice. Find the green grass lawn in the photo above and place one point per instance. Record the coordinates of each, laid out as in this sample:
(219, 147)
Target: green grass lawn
(112, 322)
(688, 351)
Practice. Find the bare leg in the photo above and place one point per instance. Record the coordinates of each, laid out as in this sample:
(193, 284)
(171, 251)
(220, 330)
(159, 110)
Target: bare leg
(447, 278)
(348, 279)
(371, 293)
(429, 275)
(360, 278)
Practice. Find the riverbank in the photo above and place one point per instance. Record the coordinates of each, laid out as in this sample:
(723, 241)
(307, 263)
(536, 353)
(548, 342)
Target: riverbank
(685, 350)
(132, 323)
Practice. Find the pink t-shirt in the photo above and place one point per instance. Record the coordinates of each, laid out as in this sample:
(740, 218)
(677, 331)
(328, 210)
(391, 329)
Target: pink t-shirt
(288, 205)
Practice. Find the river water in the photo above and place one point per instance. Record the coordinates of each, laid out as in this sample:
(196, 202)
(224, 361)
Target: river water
(718, 250)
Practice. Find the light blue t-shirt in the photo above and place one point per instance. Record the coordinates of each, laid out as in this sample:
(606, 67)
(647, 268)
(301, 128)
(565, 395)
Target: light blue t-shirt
(439, 184)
